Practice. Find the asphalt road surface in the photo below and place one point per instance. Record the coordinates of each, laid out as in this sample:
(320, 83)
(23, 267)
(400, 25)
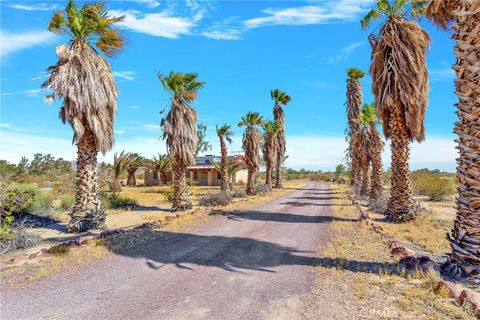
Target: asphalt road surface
(245, 265)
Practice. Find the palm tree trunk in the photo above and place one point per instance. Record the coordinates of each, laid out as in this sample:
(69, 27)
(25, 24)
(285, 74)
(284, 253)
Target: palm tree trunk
(400, 205)
(376, 188)
(224, 183)
(278, 171)
(365, 177)
(268, 174)
(163, 177)
(251, 182)
(131, 181)
(180, 193)
(465, 235)
(87, 211)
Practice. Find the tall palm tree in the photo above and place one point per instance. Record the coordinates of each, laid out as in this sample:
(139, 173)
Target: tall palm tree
(354, 106)
(83, 79)
(135, 163)
(400, 86)
(160, 165)
(233, 166)
(360, 143)
(179, 130)
(464, 18)
(280, 98)
(251, 141)
(375, 147)
(271, 129)
(224, 133)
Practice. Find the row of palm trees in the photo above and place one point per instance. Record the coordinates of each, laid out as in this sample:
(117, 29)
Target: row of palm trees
(400, 86)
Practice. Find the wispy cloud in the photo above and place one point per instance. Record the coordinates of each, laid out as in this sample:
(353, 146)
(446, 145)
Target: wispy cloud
(152, 126)
(127, 75)
(31, 93)
(33, 7)
(161, 24)
(327, 12)
(5, 125)
(134, 107)
(13, 42)
(345, 52)
(439, 75)
(149, 3)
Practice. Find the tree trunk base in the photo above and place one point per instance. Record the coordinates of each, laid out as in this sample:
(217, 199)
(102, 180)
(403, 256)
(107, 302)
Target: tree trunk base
(460, 269)
(182, 207)
(92, 220)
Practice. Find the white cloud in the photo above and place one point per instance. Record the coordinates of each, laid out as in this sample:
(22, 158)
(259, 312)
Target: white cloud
(30, 93)
(161, 24)
(345, 52)
(445, 74)
(327, 12)
(13, 42)
(134, 107)
(127, 75)
(33, 7)
(149, 3)
(5, 125)
(224, 34)
(152, 126)
(326, 151)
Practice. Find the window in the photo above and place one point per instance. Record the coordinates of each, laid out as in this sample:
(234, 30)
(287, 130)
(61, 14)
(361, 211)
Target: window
(219, 175)
(195, 175)
(155, 175)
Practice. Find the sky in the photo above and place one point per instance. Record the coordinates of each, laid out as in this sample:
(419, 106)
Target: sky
(242, 50)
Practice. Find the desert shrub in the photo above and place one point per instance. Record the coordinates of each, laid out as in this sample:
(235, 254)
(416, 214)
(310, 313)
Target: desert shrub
(15, 202)
(20, 238)
(239, 194)
(116, 201)
(168, 195)
(263, 188)
(221, 198)
(379, 205)
(67, 200)
(433, 185)
(41, 200)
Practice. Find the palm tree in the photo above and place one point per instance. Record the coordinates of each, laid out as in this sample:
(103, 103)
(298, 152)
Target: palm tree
(280, 98)
(233, 166)
(360, 143)
(179, 130)
(464, 18)
(224, 133)
(120, 164)
(375, 147)
(400, 86)
(354, 105)
(160, 165)
(251, 145)
(85, 82)
(271, 129)
(135, 163)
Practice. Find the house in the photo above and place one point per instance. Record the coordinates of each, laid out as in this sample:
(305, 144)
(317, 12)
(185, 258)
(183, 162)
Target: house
(203, 173)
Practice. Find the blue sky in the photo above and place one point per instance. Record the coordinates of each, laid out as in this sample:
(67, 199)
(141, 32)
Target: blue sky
(242, 49)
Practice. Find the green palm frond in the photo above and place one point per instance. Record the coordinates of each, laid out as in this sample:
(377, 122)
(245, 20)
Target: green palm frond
(90, 24)
(271, 127)
(182, 86)
(251, 119)
(394, 9)
(225, 132)
(280, 97)
(355, 73)
(368, 115)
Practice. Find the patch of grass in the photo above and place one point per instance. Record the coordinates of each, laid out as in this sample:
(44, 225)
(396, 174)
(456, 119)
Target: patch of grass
(434, 185)
(67, 200)
(220, 198)
(116, 201)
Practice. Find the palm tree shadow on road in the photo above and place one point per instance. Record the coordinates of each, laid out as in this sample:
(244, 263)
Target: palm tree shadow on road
(234, 254)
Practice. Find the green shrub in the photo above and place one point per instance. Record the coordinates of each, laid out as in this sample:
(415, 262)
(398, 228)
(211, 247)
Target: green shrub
(67, 201)
(434, 185)
(168, 195)
(116, 201)
(42, 202)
